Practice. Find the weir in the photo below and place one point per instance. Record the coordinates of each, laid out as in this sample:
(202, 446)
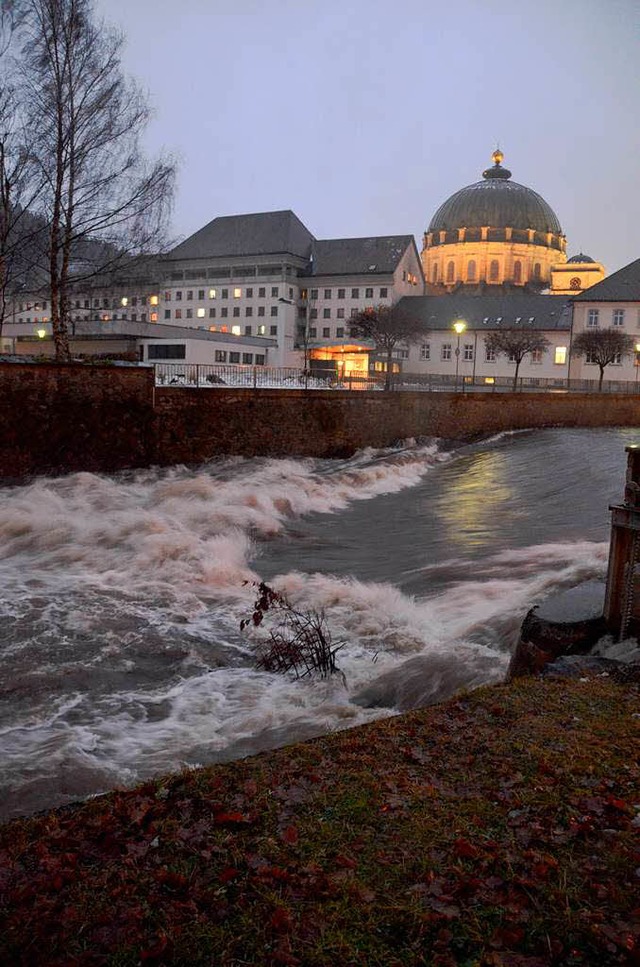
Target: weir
(622, 598)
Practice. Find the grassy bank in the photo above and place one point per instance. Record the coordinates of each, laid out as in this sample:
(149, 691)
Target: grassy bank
(497, 829)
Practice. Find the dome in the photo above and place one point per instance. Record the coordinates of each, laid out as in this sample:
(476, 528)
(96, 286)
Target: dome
(497, 202)
(580, 257)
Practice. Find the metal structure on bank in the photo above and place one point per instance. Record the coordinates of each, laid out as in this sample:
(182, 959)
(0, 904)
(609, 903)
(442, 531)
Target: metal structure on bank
(622, 600)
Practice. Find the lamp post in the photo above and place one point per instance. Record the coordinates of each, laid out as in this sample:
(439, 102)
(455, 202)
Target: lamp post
(458, 327)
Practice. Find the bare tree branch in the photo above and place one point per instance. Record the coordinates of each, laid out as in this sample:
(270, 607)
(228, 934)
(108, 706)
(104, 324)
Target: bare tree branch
(386, 326)
(516, 344)
(602, 347)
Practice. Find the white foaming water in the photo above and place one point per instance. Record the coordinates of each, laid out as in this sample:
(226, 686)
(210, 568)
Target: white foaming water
(121, 655)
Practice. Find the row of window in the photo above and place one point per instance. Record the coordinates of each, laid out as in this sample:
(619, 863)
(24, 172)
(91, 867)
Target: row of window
(214, 293)
(342, 293)
(593, 318)
(247, 359)
(326, 313)
(202, 313)
(467, 353)
(179, 351)
(326, 332)
(494, 271)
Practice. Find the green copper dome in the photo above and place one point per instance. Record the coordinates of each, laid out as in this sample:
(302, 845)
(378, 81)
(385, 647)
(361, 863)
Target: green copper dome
(496, 202)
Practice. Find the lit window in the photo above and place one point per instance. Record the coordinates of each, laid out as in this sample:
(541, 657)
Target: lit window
(489, 380)
(124, 301)
(213, 293)
(262, 330)
(153, 300)
(235, 330)
(154, 317)
(560, 356)
(237, 293)
(200, 313)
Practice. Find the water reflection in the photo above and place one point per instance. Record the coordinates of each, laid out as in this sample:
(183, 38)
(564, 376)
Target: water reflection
(477, 498)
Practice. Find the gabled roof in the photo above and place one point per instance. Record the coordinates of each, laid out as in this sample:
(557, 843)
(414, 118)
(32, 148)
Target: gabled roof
(545, 312)
(263, 233)
(376, 255)
(621, 286)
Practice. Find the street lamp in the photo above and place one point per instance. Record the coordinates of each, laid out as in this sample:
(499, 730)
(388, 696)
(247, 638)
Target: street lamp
(459, 327)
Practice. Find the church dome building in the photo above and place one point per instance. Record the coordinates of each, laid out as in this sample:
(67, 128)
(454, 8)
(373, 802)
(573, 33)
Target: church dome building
(493, 233)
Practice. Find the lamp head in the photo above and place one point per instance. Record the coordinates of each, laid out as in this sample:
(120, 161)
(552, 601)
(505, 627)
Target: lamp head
(459, 327)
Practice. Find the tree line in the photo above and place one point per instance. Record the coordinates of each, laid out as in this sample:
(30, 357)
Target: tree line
(79, 199)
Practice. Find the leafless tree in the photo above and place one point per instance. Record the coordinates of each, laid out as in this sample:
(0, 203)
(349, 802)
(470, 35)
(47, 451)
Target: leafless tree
(386, 326)
(602, 347)
(89, 120)
(516, 344)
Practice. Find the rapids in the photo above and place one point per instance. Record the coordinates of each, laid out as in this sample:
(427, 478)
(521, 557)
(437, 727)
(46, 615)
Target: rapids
(121, 655)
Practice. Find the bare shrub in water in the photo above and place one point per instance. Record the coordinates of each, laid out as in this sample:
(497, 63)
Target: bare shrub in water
(300, 640)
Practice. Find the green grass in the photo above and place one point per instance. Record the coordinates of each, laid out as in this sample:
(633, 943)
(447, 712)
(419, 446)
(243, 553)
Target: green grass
(496, 829)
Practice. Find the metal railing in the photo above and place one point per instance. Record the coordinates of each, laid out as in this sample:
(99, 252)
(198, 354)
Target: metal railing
(203, 376)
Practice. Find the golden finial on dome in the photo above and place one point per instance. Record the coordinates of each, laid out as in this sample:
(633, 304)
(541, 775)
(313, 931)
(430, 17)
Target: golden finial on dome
(497, 156)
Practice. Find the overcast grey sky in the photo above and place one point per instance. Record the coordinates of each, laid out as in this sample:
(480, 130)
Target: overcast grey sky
(363, 116)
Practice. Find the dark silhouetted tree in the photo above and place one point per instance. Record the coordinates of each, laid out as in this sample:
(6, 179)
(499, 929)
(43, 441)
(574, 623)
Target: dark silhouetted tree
(602, 347)
(386, 326)
(516, 344)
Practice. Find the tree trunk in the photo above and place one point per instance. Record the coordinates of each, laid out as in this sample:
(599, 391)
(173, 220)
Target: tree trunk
(601, 378)
(389, 374)
(515, 375)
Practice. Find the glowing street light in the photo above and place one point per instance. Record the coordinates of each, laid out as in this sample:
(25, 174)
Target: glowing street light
(459, 327)
(41, 333)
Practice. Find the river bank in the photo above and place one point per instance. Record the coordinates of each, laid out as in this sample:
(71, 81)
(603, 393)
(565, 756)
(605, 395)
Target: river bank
(498, 828)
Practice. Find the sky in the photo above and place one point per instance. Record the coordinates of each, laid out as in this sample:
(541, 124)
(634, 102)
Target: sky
(363, 116)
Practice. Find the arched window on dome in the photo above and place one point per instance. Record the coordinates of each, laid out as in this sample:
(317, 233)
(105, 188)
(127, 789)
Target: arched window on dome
(517, 271)
(494, 271)
(471, 271)
(537, 270)
(434, 274)
(451, 270)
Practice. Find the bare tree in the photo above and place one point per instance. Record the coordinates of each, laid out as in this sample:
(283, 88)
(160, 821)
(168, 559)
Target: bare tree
(516, 344)
(602, 347)
(89, 120)
(386, 326)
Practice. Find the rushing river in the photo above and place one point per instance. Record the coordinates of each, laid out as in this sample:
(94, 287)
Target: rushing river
(121, 655)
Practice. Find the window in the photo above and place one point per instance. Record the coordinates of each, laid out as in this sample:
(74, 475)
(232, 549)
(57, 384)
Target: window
(451, 269)
(236, 312)
(494, 271)
(536, 357)
(273, 311)
(489, 355)
(235, 330)
(260, 359)
(341, 293)
(200, 294)
(590, 358)
(178, 313)
(617, 359)
(249, 293)
(593, 317)
(384, 292)
(467, 351)
(340, 313)
(326, 313)
(537, 270)
(189, 295)
(225, 293)
(177, 351)
(326, 332)
(200, 313)
(313, 332)
(248, 311)
(517, 271)
(189, 313)
(368, 293)
(434, 274)
(471, 271)
(213, 293)
(224, 312)
(212, 312)
(262, 330)
(273, 330)
(618, 317)
(355, 293)
(167, 313)
(220, 355)
(327, 293)
(234, 357)
(247, 330)
(247, 358)
(560, 356)
(260, 310)
(340, 332)
(237, 293)
(425, 351)
(274, 291)
(262, 292)
(445, 352)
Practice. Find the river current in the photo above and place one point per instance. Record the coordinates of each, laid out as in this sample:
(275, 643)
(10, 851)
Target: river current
(121, 655)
